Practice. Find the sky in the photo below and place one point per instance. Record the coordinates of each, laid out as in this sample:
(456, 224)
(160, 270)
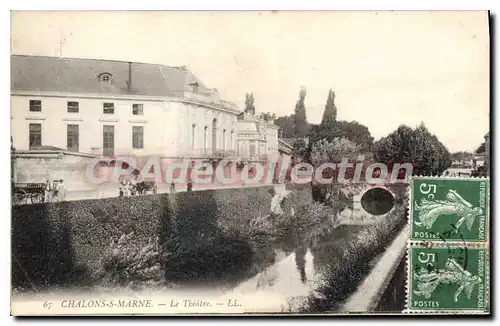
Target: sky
(386, 68)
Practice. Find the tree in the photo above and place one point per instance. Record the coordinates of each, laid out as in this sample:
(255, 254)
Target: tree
(324, 151)
(286, 125)
(334, 151)
(354, 131)
(302, 150)
(301, 127)
(249, 103)
(416, 146)
(330, 113)
(268, 116)
(462, 157)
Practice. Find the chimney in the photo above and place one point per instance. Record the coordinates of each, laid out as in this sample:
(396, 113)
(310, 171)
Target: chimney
(130, 77)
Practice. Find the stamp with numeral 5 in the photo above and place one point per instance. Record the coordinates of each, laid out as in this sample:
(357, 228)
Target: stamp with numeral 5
(449, 209)
(453, 278)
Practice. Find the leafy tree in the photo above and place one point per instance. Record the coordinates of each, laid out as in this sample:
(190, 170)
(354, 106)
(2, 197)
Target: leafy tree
(286, 125)
(301, 150)
(354, 131)
(301, 127)
(324, 151)
(268, 116)
(330, 113)
(462, 157)
(416, 146)
(249, 103)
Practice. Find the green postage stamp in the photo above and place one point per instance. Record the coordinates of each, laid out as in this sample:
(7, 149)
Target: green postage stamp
(448, 278)
(449, 209)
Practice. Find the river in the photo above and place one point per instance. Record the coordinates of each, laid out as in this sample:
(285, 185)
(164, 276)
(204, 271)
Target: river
(286, 276)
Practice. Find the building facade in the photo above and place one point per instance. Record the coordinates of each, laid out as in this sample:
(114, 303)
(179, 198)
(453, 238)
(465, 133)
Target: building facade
(74, 110)
(257, 138)
(114, 108)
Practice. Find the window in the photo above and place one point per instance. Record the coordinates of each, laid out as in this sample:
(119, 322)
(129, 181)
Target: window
(137, 137)
(224, 139)
(72, 138)
(137, 109)
(108, 108)
(232, 135)
(35, 134)
(35, 106)
(105, 77)
(214, 136)
(205, 134)
(253, 149)
(195, 87)
(72, 107)
(193, 137)
(108, 140)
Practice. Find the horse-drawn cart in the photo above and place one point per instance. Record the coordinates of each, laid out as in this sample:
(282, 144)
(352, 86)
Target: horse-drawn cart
(28, 193)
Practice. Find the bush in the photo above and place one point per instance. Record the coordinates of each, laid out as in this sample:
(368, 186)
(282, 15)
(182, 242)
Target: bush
(343, 277)
(132, 263)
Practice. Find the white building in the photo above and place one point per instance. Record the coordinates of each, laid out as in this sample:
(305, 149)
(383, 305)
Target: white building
(72, 110)
(257, 138)
(114, 107)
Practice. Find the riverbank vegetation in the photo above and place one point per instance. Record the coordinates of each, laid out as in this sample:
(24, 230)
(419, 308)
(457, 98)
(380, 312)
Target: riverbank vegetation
(344, 273)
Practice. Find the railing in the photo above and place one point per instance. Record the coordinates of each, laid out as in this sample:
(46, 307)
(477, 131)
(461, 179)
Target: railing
(254, 158)
(210, 99)
(223, 153)
(209, 153)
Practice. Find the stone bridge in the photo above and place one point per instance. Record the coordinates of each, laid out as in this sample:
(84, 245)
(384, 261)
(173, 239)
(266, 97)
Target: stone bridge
(356, 211)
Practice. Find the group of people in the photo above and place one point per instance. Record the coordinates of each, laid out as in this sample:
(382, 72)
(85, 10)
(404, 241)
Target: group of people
(127, 188)
(55, 191)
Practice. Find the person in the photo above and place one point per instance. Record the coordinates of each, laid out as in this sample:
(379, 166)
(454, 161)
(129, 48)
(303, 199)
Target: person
(47, 192)
(54, 192)
(126, 188)
(122, 187)
(61, 189)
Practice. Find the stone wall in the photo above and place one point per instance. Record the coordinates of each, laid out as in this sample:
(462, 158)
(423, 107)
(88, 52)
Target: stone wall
(33, 167)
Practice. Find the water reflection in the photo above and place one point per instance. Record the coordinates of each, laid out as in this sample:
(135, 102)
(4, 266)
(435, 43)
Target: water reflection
(295, 267)
(302, 263)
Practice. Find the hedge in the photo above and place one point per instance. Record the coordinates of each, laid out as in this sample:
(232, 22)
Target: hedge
(63, 243)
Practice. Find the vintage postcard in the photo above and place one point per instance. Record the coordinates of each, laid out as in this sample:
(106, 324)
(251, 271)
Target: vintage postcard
(233, 163)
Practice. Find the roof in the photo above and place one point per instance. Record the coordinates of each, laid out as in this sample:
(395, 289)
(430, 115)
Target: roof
(285, 143)
(284, 147)
(292, 141)
(73, 75)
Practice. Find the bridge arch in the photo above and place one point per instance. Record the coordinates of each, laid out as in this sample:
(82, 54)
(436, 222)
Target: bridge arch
(367, 188)
(378, 200)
